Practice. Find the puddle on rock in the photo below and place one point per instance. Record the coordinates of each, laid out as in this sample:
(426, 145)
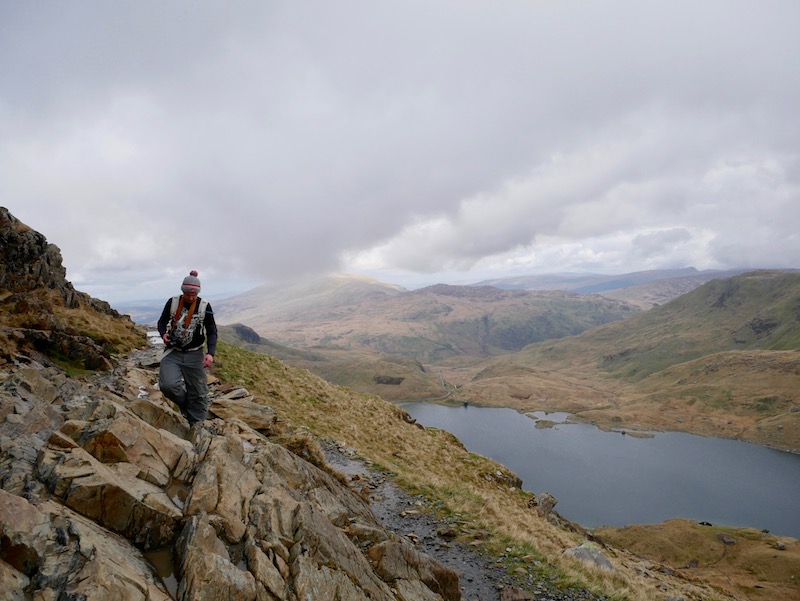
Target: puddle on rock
(161, 560)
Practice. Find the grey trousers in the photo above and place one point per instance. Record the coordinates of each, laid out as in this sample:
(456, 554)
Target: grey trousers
(183, 381)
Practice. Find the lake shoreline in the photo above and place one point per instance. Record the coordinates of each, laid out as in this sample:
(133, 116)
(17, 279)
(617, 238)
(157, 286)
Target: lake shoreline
(653, 476)
(613, 424)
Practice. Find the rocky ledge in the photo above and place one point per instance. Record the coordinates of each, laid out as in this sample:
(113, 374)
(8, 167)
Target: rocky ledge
(100, 476)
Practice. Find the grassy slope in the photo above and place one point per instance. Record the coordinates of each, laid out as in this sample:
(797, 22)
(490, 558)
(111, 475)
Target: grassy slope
(44, 310)
(357, 369)
(759, 565)
(476, 492)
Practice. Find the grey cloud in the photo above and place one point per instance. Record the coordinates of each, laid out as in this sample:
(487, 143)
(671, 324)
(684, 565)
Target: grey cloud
(273, 139)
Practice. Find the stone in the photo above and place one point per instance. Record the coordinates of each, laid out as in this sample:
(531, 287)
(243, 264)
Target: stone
(224, 486)
(590, 554)
(257, 416)
(159, 415)
(126, 438)
(399, 560)
(268, 575)
(206, 570)
(68, 556)
(545, 503)
(511, 593)
(113, 496)
(726, 539)
(13, 582)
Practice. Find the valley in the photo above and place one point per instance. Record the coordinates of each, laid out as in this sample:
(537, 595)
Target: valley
(720, 360)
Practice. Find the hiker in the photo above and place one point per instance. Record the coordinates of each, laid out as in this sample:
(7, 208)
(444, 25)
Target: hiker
(186, 324)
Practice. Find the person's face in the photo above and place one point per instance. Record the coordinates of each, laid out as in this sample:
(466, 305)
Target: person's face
(190, 296)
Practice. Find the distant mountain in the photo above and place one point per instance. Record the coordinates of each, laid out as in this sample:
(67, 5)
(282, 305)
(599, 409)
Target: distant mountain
(722, 360)
(285, 303)
(585, 283)
(427, 325)
(644, 289)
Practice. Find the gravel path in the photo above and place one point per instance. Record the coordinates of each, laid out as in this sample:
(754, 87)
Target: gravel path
(480, 578)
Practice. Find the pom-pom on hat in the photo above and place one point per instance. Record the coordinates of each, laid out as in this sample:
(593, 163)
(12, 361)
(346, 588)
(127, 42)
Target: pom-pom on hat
(191, 283)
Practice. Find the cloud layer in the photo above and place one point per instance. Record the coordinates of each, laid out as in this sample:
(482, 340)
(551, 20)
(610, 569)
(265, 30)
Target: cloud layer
(415, 141)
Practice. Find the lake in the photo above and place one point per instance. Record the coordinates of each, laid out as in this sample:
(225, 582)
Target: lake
(607, 478)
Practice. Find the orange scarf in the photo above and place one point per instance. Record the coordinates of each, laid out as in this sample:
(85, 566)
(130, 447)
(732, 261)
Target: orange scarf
(188, 315)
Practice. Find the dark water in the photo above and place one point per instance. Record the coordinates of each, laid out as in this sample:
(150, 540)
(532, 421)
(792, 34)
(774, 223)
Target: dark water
(603, 478)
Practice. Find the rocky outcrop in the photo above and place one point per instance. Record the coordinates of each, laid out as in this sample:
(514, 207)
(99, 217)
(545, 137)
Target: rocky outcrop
(33, 285)
(96, 475)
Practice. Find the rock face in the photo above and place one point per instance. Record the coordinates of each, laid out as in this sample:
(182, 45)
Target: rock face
(94, 475)
(28, 262)
(32, 284)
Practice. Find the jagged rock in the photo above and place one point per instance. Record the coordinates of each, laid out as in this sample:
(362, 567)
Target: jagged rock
(399, 562)
(160, 416)
(270, 579)
(207, 572)
(257, 416)
(112, 495)
(224, 487)
(100, 475)
(123, 437)
(33, 286)
(28, 263)
(58, 554)
(13, 582)
(591, 555)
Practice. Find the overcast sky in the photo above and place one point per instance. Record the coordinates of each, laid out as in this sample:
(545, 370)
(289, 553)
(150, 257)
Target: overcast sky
(414, 141)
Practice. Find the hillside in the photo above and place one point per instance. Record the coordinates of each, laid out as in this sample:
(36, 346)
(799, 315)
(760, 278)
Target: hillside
(722, 360)
(428, 325)
(392, 378)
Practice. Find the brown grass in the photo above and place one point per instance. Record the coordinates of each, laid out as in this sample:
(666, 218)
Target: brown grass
(753, 567)
(45, 310)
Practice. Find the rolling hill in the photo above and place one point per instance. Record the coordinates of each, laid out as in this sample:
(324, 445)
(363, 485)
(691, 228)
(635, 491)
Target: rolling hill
(429, 325)
(722, 360)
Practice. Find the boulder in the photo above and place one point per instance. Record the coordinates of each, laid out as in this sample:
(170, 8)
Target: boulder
(111, 495)
(258, 417)
(123, 437)
(206, 570)
(58, 554)
(545, 503)
(399, 562)
(591, 555)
